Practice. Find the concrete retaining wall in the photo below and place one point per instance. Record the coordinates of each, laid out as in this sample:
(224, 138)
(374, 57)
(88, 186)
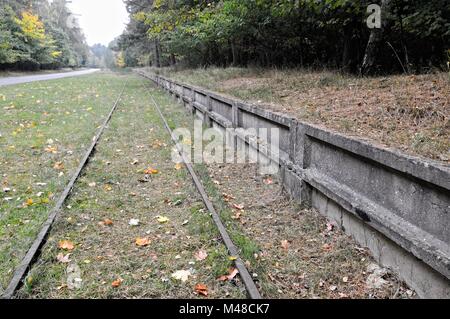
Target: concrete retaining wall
(396, 205)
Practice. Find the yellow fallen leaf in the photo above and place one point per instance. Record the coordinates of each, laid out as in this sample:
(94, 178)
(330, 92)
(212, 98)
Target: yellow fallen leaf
(29, 202)
(142, 242)
(178, 166)
(162, 219)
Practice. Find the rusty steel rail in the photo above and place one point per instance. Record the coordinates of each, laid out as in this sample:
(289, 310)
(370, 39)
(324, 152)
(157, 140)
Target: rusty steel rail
(250, 286)
(34, 251)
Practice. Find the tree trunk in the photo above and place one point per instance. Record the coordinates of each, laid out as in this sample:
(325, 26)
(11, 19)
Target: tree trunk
(157, 55)
(376, 39)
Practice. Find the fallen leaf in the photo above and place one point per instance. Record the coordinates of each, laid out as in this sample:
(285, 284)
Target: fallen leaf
(182, 275)
(162, 219)
(142, 242)
(51, 149)
(330, 227)
(29, 202)
(151, 171)
(107, 188)
(58, 166)
(327, 247)
(227, 197)
(63, 259)
(134, 222)
(178, 166)
(66, 245)
(117, 283)
(239, 207)
(268, 181)
(285, 244)
(231, 275)
(93, 184)
(201, 255)
(108, 222)
(201, 289)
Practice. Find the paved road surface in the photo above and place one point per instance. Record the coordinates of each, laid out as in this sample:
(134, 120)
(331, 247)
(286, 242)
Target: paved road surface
(42, 77)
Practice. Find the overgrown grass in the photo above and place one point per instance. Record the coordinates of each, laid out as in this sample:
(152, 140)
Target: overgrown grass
(134, 141)
(42, 124)
(406, 112)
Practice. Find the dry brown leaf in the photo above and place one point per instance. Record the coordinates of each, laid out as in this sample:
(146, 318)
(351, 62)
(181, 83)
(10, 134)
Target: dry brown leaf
(66, 245)
(58, 166)
(63, 259)
(142, 242)
(108, 222)
(231, 275)
(201, 255)
(285, 244)
(201, 289)
(239, 207)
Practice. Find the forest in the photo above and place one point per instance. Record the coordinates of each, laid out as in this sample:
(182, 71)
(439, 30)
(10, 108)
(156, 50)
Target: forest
(38, 34)
(414, 36)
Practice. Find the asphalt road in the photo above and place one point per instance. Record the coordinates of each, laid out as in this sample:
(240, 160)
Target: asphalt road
(42, 77)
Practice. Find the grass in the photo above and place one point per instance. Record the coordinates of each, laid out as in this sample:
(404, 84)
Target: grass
(317, 264)
(406, 112)
(42, 124)
(134, 141)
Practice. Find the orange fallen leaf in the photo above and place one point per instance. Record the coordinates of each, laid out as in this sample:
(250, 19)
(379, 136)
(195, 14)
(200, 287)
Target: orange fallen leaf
(151, 171)
(238, 207)
(117, 283)
(201, 289)
(108, 222)
(66, 245)
(142, 242)
(232, 273)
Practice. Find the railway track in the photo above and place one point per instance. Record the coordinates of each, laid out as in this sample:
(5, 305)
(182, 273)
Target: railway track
(33, 254)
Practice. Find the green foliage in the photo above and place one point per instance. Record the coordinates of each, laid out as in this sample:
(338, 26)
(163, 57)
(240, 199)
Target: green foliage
(37, 35)
(284, 32)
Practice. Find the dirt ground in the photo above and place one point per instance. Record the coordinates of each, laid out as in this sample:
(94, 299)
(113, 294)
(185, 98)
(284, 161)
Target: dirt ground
(406, 112)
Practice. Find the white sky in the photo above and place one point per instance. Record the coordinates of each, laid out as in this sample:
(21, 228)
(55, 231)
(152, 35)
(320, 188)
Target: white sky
(101, 20)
